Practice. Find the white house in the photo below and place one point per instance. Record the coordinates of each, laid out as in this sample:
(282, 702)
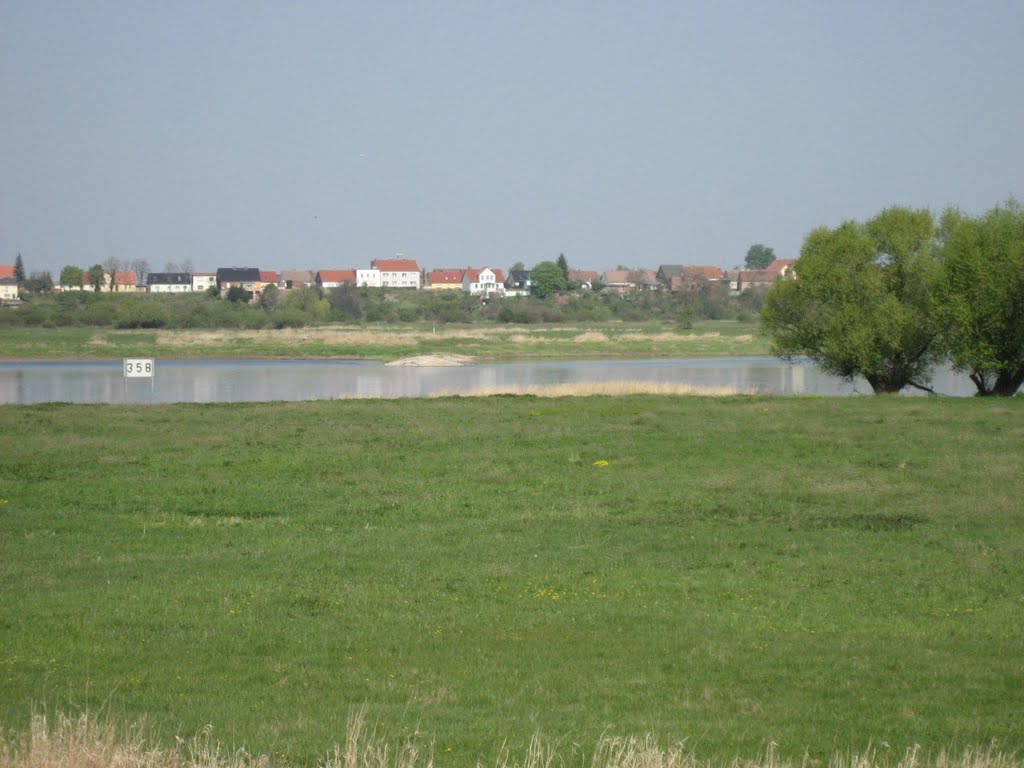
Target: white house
(8, 283)
(397, 273)
(485, 282)
(370, 278)
(169, 282)
(335, 278)
(204, 281)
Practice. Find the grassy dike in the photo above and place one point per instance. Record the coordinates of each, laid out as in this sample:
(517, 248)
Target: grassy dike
(822, 574)
(388, 342)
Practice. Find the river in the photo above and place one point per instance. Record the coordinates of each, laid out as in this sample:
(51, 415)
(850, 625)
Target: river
(216, 381)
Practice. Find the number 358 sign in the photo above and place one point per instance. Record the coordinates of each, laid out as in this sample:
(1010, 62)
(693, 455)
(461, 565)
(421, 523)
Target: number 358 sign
(138, 368)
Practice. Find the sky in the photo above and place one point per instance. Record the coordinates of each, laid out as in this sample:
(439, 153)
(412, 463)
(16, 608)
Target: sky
(322, 135)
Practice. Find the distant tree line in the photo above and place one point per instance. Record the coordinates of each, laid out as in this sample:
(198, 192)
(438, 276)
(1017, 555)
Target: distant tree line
(348, 303)
(890, 298)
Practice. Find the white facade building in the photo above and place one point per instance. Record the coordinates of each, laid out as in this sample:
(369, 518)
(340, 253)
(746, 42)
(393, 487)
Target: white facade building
(398, 273)
(370, 278)
(485, 282)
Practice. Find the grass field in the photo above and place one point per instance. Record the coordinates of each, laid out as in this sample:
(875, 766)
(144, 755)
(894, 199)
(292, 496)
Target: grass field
(824, 575)
(388, 342)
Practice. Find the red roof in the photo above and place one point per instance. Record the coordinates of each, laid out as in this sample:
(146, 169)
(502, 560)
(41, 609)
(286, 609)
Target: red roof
(708, 273)
(268, 277)
(758, 276)
(780, 264)
(120, 278)
(474, 274)
(396, 265)
(445, 277)
(6, 270)
(336, 276)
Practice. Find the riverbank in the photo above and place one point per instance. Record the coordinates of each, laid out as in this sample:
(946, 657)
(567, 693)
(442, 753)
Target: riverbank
(730, 572)
(482, 342)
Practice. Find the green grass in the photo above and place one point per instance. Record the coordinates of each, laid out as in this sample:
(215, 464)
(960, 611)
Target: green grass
(822, 574)
(389, 342)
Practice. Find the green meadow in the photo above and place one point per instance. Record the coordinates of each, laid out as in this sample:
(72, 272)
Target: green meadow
(820, 574)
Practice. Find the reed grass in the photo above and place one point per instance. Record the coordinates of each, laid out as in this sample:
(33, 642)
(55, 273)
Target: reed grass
(90, 742)
(387, 342)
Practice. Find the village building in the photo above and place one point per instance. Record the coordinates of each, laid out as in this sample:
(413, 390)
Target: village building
(483, 282)
(169, 282)
(204, 281)
(335, 278)
(8, 285)
(445, 280)
(397, 273)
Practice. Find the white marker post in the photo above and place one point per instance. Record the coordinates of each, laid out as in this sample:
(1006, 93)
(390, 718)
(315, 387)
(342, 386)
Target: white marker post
(139, 368)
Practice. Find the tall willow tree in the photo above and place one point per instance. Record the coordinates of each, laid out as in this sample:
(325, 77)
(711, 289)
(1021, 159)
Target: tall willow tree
(861, 301)
(980, 296)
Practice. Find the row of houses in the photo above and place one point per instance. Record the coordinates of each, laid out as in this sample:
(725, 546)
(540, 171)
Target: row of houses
(679, 277)
(672, 277)
(405, 273)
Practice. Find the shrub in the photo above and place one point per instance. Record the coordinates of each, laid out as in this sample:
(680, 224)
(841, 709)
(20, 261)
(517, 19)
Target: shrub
(142, 314)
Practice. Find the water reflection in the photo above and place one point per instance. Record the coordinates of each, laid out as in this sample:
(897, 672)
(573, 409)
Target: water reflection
(209, 381)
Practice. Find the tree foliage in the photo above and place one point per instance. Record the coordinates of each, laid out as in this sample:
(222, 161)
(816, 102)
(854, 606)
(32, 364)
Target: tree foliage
(980, 296)
(96, 277)
(300, 307)
(546, 279)
(111, 266)
(563, 264)
(38, 282)
(141, 269)
(346, 302)
(268, 297)
(19, 270)
(71, 276)
(861, 304)
(759, 256)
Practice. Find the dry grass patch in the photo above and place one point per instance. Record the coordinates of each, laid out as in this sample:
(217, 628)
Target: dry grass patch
(591, 336)
(86, 742)
(287, 335)
(432, 361)
(665, 336)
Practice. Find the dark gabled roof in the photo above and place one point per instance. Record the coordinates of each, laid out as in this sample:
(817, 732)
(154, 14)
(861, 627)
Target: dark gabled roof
(168, 278)
(238, 275)
(298, 275)
(519, 276)
(667, 271)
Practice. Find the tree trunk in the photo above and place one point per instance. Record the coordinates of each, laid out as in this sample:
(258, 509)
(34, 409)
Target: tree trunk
(1005, 385)
(883, 385)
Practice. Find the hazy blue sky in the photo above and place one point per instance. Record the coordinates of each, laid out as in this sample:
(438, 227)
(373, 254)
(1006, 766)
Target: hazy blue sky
(322, 135)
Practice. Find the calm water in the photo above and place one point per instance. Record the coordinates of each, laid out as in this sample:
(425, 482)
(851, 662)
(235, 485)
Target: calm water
(214, 381)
